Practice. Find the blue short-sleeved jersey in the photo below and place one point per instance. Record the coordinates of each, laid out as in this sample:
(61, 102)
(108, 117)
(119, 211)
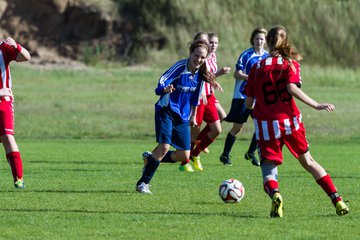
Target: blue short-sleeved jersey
(246, 60)
(187, 90)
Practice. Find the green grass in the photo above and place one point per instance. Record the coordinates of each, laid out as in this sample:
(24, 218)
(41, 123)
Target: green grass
(81, 134)
(84, 189)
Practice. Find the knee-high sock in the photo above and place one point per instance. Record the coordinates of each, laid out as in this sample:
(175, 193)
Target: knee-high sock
(149, 170)
(229, 142)
(328, 186)
(271, 187)
(253, 144)
(15, 162)
(204, 143)
(167, 158)
(204, 132)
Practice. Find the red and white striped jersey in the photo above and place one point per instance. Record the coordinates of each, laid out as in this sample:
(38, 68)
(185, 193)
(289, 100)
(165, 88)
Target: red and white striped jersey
(212, 67)
(275, 112)
(7, 54)
(275, 129)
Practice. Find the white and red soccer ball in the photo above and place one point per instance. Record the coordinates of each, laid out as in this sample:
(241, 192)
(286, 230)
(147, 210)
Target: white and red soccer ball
(231, 191)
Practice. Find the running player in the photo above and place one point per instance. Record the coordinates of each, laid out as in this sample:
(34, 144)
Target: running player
(179, 90)
(209, 108)
(10, 51)
(238, 114)
(274, 83)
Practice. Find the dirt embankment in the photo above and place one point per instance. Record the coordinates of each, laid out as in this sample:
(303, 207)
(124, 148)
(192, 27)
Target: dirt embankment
(56, 31)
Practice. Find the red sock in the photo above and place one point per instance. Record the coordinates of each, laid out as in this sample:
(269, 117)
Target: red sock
(204, 132)
(204, 142)
(15, 162)
(328, 186)
(271, 187)
(185, 162)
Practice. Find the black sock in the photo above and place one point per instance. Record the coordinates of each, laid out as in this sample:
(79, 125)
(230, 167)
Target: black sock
(167, 158)
(149, 171)
(253, 145)
(229, 142)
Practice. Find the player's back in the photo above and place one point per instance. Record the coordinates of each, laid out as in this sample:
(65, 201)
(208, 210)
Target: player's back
(273, 102)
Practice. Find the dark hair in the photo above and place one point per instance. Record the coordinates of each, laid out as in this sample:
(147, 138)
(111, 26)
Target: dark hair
(198, 34)
(256, 31)
(205, 74)
(279, 44)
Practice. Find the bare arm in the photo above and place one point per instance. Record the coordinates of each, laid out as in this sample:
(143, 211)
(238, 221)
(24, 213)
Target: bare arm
(222, 71)
(240, 75)
(23, 54)
(192, 121)
(299, 94)
(249, 102)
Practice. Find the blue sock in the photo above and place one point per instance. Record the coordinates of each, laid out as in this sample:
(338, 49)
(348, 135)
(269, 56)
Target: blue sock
(149, 171)
(229, 142)
(167, 158)
(253, 145)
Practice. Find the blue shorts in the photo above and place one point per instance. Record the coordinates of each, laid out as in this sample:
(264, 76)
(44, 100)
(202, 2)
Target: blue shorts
(171, 129)
(238, 112)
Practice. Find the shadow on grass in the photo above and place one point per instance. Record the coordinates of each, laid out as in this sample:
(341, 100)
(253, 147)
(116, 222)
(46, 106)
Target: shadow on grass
(79, 162)
(85, 211)
(69, 191)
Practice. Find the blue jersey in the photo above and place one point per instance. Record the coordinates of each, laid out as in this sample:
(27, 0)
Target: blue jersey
(246, 60)
(187, 90)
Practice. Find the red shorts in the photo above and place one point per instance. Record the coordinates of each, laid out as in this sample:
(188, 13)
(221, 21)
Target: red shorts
(295, 142)
(6, 116)
(208, 112)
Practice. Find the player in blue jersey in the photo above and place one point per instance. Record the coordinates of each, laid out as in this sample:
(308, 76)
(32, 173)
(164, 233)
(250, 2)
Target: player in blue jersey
(179, 90)
(238, 114)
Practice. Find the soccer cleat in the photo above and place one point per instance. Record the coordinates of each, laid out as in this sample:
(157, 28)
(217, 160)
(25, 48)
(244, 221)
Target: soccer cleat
(19, 184)
(143, 188)
(197, 163)
(341, 208)
(251, 156)
(225, 160)
(144, 157)
(186, 168)
(277, 206)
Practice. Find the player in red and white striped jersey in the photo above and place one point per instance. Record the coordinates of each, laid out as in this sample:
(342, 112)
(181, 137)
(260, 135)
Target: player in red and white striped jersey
(274, 82)
(10, 51)
(208, 108)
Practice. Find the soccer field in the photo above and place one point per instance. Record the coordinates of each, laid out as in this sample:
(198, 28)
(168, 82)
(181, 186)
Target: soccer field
(81, 134)
(86, 190)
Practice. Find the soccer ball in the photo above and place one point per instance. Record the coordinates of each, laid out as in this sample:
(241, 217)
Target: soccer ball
(231, 191)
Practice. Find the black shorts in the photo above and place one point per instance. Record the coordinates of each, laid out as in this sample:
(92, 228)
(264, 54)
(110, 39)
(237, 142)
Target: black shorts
(238, 112)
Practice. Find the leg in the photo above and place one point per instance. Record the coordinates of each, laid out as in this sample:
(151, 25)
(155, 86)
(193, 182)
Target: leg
(215, 130)
(229, 142)
(324, 180)
(14, 159)
(221, 111)
(153, 162)
(250, 155)
(271, 186)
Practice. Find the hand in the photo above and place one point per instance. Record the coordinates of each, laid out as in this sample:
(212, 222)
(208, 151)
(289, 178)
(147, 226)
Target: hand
(217, 86)
(325, 106)
(169, 89)
(11, 42)
(192, 121)
(226, 70)
(204, 98)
